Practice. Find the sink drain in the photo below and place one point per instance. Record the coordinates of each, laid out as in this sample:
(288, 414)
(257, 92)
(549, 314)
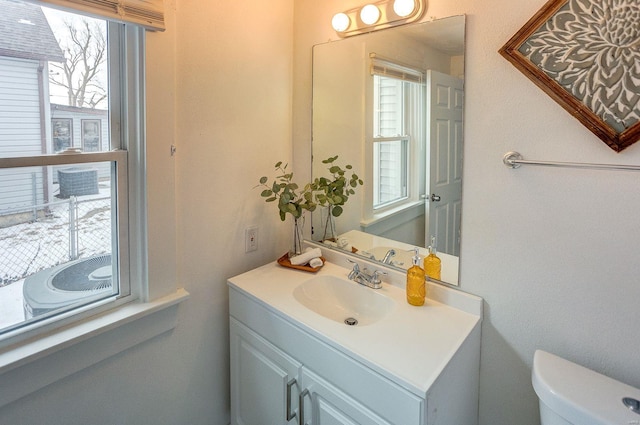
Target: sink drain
(351, 321)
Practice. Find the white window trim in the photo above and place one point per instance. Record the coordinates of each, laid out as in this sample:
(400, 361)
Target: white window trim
(31, 365)
(47, 352)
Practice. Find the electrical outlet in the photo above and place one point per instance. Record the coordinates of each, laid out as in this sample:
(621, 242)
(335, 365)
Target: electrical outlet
(251, 239)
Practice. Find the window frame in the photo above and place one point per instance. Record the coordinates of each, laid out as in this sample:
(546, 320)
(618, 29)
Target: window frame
(414, 93)
(127, 138)
(76, 343)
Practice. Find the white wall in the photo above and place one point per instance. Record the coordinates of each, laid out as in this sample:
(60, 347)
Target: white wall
(552, 251)
(234, 73)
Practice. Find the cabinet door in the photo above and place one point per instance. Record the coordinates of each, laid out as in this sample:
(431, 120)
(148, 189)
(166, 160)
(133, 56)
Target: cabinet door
(327, 405)
(260, 373)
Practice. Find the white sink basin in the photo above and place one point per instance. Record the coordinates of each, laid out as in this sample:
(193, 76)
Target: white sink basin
(341, 300)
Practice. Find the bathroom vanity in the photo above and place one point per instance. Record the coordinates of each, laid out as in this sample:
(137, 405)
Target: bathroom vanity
(297, 357)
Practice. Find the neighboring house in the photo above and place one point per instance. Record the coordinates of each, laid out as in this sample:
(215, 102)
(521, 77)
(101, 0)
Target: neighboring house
(84, 128)
(27, 45)
(29, 124)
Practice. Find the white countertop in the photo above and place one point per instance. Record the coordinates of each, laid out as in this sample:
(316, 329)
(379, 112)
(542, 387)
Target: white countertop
(411, 345)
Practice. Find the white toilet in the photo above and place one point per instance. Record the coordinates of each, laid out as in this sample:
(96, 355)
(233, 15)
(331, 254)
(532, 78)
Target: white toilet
(574, 395)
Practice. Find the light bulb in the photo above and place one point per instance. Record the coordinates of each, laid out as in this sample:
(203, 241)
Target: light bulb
(404, 8)
(340, 22)
(370, 14)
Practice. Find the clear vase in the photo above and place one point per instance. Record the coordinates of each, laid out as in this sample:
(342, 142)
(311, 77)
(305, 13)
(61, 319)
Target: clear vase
(296, 245)
(330, 233)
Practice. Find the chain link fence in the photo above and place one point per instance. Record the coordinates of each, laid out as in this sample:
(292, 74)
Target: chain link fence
(60, 232)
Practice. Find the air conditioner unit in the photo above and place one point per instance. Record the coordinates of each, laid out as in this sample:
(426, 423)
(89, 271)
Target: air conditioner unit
(78, 182)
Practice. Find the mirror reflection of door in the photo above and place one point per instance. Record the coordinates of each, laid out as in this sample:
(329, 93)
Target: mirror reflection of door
(444, 135)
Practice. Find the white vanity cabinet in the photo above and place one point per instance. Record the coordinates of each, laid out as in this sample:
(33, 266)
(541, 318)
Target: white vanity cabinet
(268, 387)
(263, 379)
(289, 363)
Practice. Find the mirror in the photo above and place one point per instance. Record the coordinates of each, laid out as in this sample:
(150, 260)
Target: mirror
(390, 104)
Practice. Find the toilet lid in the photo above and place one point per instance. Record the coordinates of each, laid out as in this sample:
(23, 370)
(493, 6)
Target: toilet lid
(580, 395)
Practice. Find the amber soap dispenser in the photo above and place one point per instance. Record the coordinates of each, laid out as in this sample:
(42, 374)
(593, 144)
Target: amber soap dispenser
(415, 282)
(432, 263)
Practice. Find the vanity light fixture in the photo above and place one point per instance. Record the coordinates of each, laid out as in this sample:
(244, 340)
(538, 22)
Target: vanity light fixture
(370, 14)
(340, 22)
(404, 8)
(378, 15)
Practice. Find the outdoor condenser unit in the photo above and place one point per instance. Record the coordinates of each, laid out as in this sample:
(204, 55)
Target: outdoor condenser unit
(78, 182)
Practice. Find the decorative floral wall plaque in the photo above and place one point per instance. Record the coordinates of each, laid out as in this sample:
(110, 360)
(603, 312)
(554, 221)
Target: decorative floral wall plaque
(585, 54)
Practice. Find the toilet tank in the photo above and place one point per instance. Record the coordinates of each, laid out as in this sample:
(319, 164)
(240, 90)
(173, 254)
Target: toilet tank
(574, 395)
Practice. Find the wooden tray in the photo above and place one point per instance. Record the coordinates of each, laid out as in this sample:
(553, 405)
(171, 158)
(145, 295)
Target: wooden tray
(284, 262)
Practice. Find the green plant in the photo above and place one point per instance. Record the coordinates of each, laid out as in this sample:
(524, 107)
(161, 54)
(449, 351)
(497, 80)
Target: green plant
(291, 199)
(334, 192)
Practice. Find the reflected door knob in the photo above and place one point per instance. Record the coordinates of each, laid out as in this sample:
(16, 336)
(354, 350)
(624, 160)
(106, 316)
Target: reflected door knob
(435, 198)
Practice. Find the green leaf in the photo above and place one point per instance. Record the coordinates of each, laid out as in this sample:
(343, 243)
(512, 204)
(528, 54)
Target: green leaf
(336, 211)
(335, 169)
(271, 199)
(263, 180)
(278, 164)
(266, 193)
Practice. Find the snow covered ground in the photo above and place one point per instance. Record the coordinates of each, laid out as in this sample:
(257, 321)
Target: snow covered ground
(30, 247)
(11, 300)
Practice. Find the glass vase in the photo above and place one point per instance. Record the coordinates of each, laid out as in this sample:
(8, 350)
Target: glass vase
(330, 233)
(296, 244)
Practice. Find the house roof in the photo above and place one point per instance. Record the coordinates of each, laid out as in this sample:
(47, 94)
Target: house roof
(25, 32)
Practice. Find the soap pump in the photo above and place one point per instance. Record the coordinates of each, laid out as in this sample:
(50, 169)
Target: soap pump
(432, 263)
(415, 282)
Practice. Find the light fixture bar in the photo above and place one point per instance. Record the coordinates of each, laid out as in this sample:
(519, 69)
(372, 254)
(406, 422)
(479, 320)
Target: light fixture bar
(376, 16)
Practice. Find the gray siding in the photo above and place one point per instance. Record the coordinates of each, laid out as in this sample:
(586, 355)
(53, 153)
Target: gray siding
(20, 131)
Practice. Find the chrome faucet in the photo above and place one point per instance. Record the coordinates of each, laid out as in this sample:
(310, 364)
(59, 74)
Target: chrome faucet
(364, 278)
(388, 255)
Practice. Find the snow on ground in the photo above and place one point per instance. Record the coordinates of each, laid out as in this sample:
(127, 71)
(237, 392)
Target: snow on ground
(11, 311)
(30, 247)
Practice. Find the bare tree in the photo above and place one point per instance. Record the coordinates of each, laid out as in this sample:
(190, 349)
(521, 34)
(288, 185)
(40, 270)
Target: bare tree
(85, 51)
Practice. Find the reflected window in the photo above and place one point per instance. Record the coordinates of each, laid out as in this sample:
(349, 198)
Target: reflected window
(396, 104)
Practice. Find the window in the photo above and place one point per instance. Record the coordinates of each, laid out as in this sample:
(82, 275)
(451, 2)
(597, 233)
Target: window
(396, 133)
(91, 135)
(61, 130)
(70, 166)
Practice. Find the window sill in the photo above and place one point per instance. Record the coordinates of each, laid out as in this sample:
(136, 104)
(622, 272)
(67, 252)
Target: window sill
(382, 222)
(33, 364)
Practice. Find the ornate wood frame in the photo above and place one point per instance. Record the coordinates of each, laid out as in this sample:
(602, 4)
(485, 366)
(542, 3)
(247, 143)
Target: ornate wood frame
(556, 50)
